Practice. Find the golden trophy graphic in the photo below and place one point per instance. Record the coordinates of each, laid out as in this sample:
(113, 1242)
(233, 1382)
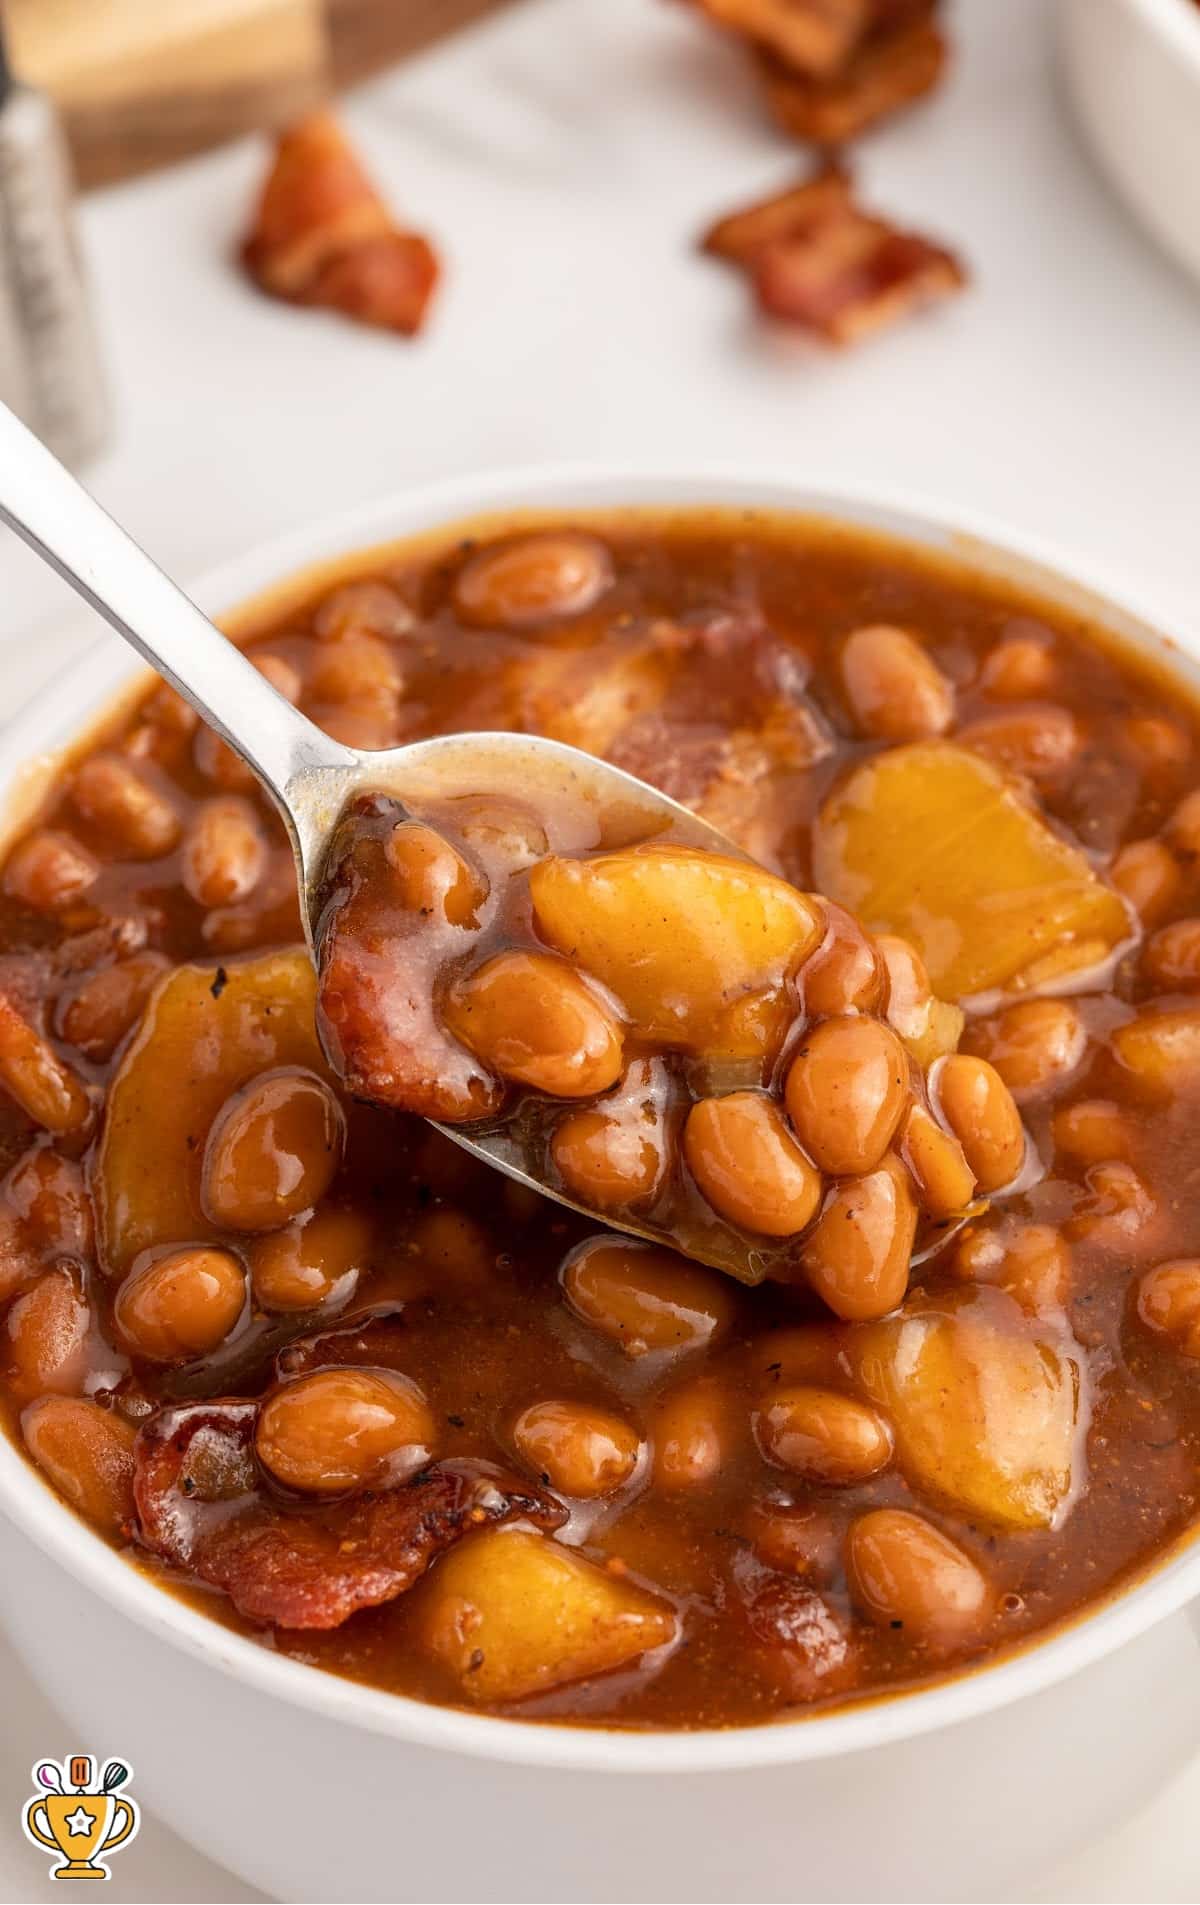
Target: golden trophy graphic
(76, 1819)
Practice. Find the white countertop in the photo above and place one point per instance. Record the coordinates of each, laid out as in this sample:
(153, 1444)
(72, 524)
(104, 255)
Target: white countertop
(564, 156)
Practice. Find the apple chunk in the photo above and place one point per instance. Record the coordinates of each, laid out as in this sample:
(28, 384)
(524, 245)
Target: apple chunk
(511, 1613)
(206, 1031)
(933, 842)
(986, 1404)
(697, 946)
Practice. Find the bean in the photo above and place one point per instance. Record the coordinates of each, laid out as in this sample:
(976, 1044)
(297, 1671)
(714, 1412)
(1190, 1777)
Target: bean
(895, 691)
(795, 1538)
(691, 1432)
(1162, 1050)
(533, 579)
(937, 1163)
(224, 852)
(48, 1196)
(86, 1453)
(1149, 876)
(929, 1027)
(362, 608)
(181, 1305)
(48, 1331)
(1171, 956)
(1163, 746)
(312, 1260)
(355, 687)
(1032, 1262)
(138, 820)
(980, 1111)
(531, 1018)
(1040, 742)
(272, 1152)
(342, 1429)
(1091, 1131)
(1183, 828)
(846, 1092)
(430, 877)
(282, 674)
(48, 870)
(507, 836)
(608, 1161)
(1021, 668)
(646, 1300)
(845, 974)
(46, 1089)
(167, 710)
(748, 1165)
(454, 1246)
(109, 1003)
(1034, 1045)
(1168, 1303)
(902, 1570)
(857, 1257)
(1117, 1208)
(823, 1435)
(576, 1448)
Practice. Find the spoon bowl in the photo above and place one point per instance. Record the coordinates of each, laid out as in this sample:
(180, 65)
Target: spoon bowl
(310, 777)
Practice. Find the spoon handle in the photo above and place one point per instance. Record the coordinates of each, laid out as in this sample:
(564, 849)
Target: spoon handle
(55, 515)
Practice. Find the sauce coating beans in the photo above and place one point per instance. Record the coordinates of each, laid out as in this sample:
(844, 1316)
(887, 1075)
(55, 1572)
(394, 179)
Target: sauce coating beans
(898, 1362)
(181, 1305)
(344, 1428)
(272, 1152)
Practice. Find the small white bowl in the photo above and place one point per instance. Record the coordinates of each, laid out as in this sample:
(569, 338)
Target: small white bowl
(1132, 70)
(313, 1787)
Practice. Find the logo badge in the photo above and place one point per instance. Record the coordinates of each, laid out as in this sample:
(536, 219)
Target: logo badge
(74, 1814)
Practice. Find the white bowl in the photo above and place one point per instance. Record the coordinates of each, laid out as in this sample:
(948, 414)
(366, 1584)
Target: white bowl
(1132, 70)
(315, 1788)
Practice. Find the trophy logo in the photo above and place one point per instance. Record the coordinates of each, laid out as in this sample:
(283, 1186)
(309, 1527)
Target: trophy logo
(76, 1815)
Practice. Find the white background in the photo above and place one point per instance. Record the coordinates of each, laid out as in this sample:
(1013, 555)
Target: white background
(564, 157)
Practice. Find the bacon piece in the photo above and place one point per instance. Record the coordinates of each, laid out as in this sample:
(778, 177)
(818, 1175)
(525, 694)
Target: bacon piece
(202, 1506)
(811, 36)
(322, 235)
(886, 74)
(815, 259)
(796, 1640)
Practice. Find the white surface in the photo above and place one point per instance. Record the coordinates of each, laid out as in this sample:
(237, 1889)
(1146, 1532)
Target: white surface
(1132, 69)
(565, 156)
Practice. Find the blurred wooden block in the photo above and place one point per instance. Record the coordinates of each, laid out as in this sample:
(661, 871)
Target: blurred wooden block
(142, 83)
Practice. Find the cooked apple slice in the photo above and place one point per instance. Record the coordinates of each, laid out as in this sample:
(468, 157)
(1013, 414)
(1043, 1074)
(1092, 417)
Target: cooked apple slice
(985, 1402)
(511, 1613)
(934, 842)
(697, 946)
(206, 1032)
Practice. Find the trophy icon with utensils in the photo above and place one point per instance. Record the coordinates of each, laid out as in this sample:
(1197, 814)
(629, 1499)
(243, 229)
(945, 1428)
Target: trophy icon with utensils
(77, 1816)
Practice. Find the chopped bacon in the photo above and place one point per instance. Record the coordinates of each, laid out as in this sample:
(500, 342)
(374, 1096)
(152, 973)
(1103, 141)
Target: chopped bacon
(323, 235)
(887, 73)
(796, 1640)
(202, 1506)
(816, 259)
(811, 36)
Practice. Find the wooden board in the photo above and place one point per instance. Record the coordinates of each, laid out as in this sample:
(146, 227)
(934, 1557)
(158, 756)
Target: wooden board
(142, 83)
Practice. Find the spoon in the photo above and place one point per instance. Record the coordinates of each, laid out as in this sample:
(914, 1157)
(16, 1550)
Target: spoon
(309, 776)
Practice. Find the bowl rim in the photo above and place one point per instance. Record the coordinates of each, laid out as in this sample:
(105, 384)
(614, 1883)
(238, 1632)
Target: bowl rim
(64, 709)
(1176, 21)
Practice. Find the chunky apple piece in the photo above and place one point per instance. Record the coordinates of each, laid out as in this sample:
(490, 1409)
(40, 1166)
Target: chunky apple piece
(206, 1032)
(934, 842)
(986, 1403)
(697, 946)
(516, 1614)
(1162, 1049)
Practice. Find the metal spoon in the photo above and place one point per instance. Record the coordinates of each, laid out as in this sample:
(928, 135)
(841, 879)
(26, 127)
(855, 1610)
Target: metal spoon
(310, 777)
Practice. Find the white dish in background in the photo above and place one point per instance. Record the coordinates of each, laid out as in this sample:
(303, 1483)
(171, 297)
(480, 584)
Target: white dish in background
(313, 1787)
(1132, 71)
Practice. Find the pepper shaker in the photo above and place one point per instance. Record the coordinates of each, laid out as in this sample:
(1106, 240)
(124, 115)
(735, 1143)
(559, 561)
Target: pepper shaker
(50, 371)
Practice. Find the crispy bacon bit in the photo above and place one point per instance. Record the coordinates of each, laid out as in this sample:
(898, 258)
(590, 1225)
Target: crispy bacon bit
(202, 1506)
(811, 36)
(816, 259)
(324, 236)
(887, 73)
